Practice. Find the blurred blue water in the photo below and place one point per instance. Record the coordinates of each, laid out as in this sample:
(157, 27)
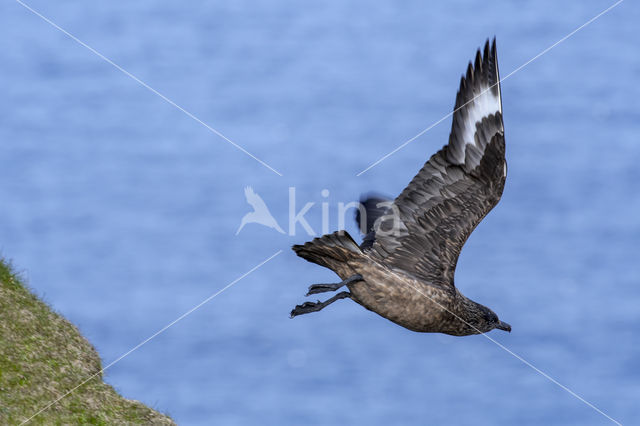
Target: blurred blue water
(121, 210)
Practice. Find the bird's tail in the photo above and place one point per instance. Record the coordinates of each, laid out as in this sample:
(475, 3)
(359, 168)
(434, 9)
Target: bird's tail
(332, 251)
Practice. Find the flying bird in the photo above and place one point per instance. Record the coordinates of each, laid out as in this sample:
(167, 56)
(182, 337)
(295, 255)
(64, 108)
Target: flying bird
(404, 268)
(260, 213)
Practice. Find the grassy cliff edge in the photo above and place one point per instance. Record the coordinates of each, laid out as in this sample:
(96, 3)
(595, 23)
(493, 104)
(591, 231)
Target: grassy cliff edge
(42, 356)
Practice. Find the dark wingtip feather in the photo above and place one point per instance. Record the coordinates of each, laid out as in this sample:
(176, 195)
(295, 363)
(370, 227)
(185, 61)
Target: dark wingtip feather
(478, 62)
(469, 77)
(495, 73)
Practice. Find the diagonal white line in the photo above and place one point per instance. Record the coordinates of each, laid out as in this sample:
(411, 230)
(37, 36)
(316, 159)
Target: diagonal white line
(515, 355)
(145, 85)
(154, 335)
(501, 80)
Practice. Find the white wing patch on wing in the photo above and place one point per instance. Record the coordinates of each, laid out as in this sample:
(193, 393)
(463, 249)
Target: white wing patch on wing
(483, 105)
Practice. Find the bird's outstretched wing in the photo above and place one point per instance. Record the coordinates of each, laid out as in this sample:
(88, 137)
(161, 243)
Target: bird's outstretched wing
(455, 189)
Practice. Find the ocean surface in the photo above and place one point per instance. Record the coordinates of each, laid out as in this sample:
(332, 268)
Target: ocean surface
(121, 210)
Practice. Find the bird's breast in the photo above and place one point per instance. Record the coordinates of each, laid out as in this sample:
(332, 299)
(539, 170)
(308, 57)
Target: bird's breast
(408, 302)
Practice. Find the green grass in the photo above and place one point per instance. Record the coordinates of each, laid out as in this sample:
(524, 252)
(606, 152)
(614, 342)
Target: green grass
(43, 356)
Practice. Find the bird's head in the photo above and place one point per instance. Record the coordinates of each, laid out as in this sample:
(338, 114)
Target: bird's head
(491, 321)
(478, 318)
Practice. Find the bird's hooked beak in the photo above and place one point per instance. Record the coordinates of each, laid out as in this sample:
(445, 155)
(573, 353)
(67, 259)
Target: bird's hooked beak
(504, 326)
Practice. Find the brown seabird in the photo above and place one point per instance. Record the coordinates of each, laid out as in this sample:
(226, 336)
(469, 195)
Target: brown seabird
(404, 268)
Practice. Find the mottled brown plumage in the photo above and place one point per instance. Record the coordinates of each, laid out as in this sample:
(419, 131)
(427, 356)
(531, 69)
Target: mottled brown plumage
(404, 269)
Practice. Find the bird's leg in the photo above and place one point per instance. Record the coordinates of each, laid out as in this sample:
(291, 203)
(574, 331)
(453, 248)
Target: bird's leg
(321, 288)
(308, 307)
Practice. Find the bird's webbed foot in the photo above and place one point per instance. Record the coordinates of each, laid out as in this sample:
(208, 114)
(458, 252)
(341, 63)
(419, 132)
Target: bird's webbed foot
(308, 307)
